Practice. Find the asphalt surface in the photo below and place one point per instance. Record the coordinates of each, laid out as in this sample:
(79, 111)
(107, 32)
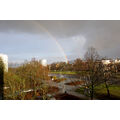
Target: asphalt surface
(69, 89)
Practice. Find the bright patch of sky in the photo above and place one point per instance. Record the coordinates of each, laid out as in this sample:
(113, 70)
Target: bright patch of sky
(20, 47)
(71, 44)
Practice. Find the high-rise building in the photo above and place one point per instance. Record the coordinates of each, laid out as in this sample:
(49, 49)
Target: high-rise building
(44, 62)
(5, 61)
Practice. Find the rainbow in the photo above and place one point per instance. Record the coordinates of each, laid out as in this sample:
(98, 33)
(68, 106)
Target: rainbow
(56, 41)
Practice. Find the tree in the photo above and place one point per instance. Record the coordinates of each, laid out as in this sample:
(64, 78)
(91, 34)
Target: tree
(15, 86)
(92, 60)
(33, 72)
(60, 66)
(98, 72)
(118, 67)
(30, 75)
(79, 65)
(52, 66)
(109, 72)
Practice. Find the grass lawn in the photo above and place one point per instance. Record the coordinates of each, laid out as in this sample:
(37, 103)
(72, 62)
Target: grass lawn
(101, 92)
(80, 90)
(114, 91)
(64, 72)
(70, 72)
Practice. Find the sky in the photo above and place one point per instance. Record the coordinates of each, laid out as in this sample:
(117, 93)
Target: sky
(54, 40)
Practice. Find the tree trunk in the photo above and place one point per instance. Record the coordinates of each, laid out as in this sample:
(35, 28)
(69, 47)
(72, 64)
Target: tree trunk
(108, 92)
(92, 90)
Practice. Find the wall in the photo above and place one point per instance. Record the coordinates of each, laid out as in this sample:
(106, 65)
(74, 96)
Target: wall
(5, 61)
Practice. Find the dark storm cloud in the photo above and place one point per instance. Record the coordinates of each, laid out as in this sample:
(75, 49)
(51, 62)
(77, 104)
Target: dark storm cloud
(103, 35)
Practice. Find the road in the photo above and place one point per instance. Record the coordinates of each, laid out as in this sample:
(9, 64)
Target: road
(69, 89)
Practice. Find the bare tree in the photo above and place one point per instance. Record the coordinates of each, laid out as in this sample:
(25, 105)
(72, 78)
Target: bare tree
(78, 65)
(98, 72)
(92, 60)
(109, 72)
(92, 54)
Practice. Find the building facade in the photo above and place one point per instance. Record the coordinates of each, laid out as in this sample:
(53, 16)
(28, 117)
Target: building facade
(4, 58)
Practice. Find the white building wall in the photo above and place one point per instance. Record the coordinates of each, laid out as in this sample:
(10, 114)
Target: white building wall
(117, 61)
(5, 61)
(106, 62)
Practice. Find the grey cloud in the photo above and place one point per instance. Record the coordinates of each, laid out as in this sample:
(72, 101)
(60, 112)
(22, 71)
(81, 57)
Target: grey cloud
(103, 35)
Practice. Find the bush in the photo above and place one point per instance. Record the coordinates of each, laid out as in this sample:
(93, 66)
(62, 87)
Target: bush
(31, 75)
(14, 86)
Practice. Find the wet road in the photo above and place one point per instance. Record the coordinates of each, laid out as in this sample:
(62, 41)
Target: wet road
(69, 89)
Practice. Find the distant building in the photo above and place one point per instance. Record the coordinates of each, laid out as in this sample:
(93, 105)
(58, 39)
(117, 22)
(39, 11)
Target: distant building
(106, 62)
(44, 62)
(117, 61)
(5, 61)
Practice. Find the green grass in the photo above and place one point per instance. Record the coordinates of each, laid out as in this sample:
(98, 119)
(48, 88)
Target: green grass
(70, 72)
(80, 90)
(114, 90)
(64, 72)
(100, 91)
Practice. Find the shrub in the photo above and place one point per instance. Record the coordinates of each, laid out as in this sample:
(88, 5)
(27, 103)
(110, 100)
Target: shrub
(31, 75)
